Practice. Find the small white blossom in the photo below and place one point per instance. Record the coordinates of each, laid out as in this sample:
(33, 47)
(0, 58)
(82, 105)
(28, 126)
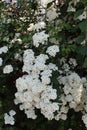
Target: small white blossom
(39, 25)
(44, 2)
(63, 116)
(51, 14)
(40, 38)
(8, 118)
(3, 49)
(84, 118)
(31, 27)
(69, 129)
(73, 62)
(12, 112)
(71, 8)
(7, 69)
(52, 50)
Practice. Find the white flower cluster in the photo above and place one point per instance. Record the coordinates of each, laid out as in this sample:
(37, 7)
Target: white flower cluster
(8, 118)
(3, 49)
(62, 113)
(10, 2)
(7, 69)
(7, 1)
(40, 38)
(39, 25)
(44, 2)
(51, 14)
(52, 50)
(71, 8)
(34, 90)
(72, 62)
(67, 65)
(73, 89)
(84, 118)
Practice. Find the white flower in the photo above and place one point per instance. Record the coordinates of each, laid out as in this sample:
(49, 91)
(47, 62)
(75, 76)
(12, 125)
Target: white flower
(63, 116)
(7, 1)
(19, 40)
(52, 50)
(8, 118)
(45, 2)
(39, 25)
(40, 61)
(17, 35)
(69, 129)
(52, 67)
(1, 61)
(71, 9)
(3, 49)
(69, 98)
(66, 67)
(40, 38)
(84, 118)
(12, 112)
(16, 40)
(33, 89)
(45, 80)
(67, 89)
(73, 89)
(64, 109)
(51, 14)
(7, 69)
(83, 42)
(31, 27)
(30, 114)
(72, 104)
(73, 62)
(74, 80)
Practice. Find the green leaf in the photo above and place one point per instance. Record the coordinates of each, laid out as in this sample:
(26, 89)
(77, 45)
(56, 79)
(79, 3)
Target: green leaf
(1, 116)
(79, 12)
(67, 49)
(85, 63)
(84, 1)
(82, 50)
(61, 128)
(1, 123)
(83, 25)
(80, 39)
(67, 26)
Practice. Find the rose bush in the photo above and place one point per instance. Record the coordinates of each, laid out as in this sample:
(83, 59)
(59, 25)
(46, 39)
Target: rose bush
(43, 65)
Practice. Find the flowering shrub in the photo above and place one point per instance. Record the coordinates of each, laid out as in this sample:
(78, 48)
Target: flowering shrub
(43, 65)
